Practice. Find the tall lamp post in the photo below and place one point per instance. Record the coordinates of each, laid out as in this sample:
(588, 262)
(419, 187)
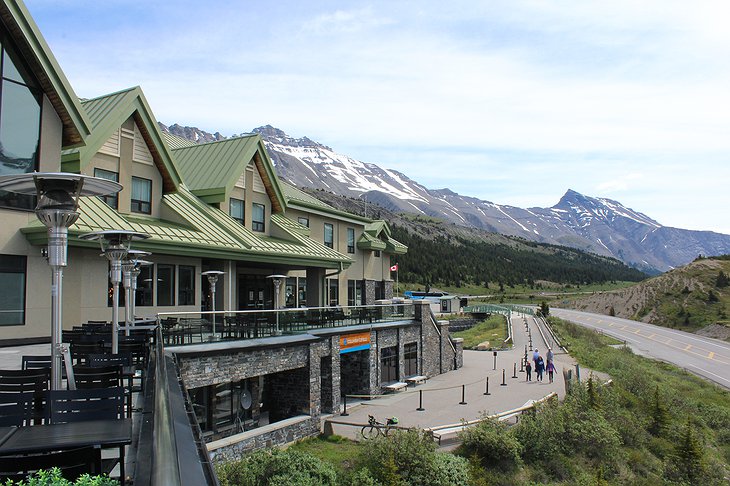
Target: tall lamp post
(115, 245)
(58, 196)
(212, 280)
(277, 279)
(129, 265)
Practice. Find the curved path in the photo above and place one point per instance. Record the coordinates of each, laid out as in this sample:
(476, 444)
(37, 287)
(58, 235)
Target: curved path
(703, 356)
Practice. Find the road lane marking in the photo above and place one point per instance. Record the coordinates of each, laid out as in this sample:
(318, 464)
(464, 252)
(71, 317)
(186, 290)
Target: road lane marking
(711, 373)
(689, 346)
(711, 355)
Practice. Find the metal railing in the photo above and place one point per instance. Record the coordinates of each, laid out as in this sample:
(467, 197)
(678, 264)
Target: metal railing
(184, 328)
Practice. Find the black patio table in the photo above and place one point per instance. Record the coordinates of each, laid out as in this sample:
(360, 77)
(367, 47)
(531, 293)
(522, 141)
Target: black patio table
(53, 437)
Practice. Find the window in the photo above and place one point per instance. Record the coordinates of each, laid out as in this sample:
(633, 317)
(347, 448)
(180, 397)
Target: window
(144, 287)
(141, 195)
(389, 364)
(258, 217)
(354, 292)
(379, 294)
(20, 123)
(111, 200)
(303, 221)
(12, 296)
(165, 285)
(350, 240)
(290, 292)
(334, 291)
(186, 285)
(377, 253)
(302, 291)
(410, 358)
(329, 235)
(236, 210)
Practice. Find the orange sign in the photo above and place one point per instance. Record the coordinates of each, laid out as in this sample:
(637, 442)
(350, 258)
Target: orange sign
(354, 342)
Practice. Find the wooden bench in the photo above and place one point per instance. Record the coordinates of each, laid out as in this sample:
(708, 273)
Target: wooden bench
(416, 380)
(394, 387)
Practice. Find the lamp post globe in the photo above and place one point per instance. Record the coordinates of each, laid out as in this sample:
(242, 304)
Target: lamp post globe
(58, 196)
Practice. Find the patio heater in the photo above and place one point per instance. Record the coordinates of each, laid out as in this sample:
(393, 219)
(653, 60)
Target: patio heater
(129, 265)
(212, 280)
(277, 279)
(58, 196)
(114, 246)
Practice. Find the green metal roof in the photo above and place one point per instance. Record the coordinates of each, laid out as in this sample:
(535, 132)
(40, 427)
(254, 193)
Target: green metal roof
(174, 142)
(212, 169)
(369, 242)
(297, 197)
(107, 113)
(34, 49)
(209, 233)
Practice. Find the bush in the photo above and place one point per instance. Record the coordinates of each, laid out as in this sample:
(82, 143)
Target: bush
(276, 468)
(410, 457)
(53, 477)
(493, 443)
(540, 434)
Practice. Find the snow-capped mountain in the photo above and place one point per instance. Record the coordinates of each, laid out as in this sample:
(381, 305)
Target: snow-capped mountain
(598, 225)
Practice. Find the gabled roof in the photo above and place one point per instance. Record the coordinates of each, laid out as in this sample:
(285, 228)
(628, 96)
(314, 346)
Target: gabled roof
(107, 113)
(209, 233)
(212, 169)
(173, 141)
(295, 197)
(380, 231)
(33, 48)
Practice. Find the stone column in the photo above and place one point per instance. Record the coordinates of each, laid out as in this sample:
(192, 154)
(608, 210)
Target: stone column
(315, 287)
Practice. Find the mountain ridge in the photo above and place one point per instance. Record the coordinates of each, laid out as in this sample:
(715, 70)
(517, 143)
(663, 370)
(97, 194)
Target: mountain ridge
(597, 225)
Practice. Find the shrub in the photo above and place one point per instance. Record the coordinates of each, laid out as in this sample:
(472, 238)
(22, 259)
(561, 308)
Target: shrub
(540, 434)
(276, 468)
(53, 477)
(493, 443)
(410, 457)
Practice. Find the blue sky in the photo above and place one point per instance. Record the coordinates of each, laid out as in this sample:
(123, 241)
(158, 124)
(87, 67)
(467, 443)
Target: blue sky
(512, 102)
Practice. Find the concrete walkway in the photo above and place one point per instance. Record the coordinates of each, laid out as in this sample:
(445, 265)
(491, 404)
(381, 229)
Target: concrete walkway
(442, 395)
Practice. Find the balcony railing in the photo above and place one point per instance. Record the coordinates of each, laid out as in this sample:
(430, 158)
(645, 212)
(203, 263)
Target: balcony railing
(184, 328)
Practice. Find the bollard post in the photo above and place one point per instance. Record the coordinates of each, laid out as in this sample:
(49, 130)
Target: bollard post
(514, 373)
(522, 365)
(486, 392)
(344, 410)
(577, 373)
(495, 361)
(504, 377)
(463, 401)
(420, 401)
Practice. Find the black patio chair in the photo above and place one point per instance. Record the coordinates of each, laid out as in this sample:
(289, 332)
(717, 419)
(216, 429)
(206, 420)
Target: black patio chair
(72, 463)
(65, 406)
(34, 361)
(16, 409)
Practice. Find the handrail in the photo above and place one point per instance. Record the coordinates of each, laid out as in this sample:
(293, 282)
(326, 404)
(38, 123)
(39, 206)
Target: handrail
(281, 310)
(552, 334)
(509, 332)
(544, 339)
(165, 469)
(433, 322)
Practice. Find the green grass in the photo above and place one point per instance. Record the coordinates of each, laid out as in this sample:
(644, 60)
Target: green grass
(493, 329)
(338, 451)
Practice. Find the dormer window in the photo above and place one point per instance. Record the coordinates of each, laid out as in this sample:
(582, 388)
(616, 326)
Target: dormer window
(258, 217)
(111, 200)
(141, 195)
(303, 221)
(236, 210)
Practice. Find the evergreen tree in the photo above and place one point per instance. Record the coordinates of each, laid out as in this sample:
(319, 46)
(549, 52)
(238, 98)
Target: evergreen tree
(659, 415)
(722, 280)
(690, 454)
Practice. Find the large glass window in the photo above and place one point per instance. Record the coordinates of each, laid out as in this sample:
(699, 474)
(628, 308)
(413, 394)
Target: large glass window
(302, 291)
(389, 364)
(236, 210)
(258, 217)
(410, 358)
(111, 199)
(334, 291)
(290, 292)
(141, 195)
(354, 292)
(165, 285)
(12, 290)
(329, 235)
(145, 284)
(350, 240)
(186, 285)
(20, 123)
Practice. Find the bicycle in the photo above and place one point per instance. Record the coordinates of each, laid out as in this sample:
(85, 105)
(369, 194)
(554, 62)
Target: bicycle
(375, 428)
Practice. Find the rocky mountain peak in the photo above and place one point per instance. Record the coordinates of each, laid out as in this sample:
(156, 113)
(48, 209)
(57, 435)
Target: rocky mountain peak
(278, 136)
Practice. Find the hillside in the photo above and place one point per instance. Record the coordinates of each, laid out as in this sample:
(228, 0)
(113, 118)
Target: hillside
(593, 224)
(443, 253)
(694, 298)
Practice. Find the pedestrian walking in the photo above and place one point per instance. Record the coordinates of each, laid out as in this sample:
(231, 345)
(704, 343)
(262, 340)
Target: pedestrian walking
(550, 370)
(528, 368)
(540, 368)
(550, 355)
(535, 355)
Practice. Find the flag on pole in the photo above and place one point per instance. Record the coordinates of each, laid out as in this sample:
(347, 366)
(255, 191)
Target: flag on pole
(394, 268)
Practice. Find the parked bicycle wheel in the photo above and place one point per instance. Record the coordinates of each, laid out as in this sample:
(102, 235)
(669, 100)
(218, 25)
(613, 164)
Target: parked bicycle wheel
(370, 432)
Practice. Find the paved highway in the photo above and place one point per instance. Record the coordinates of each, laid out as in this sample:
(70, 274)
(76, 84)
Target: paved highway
(706, 357)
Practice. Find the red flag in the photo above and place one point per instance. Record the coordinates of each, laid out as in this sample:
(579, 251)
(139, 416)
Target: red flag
(394, 268)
